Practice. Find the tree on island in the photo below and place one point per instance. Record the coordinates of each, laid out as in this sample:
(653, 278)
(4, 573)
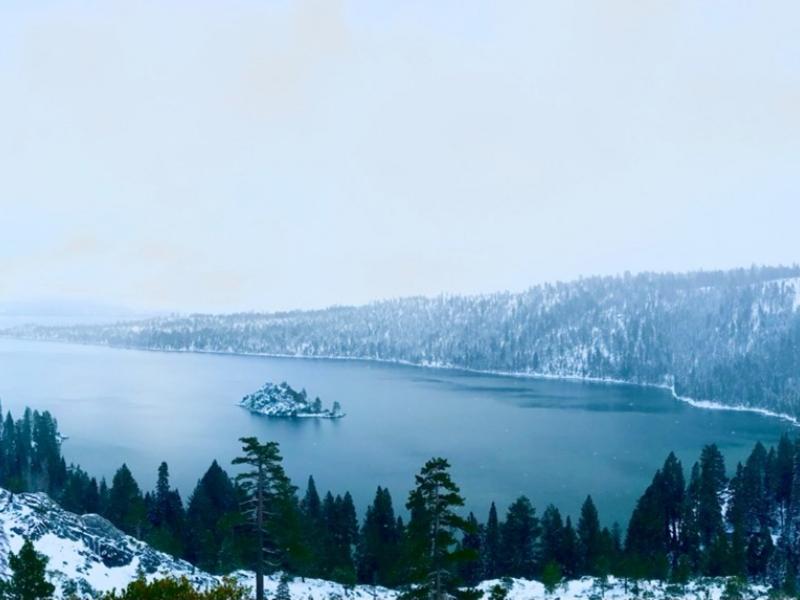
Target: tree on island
(28, 581)
(264, 485)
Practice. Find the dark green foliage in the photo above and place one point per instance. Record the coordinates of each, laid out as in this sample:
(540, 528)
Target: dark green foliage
(491, 545)
(552, 536)
(339, 532)
(519, 534)
(313, 527)
(212, 518)
(676, 531)
(379, 543)
(28, 578)
(589, 540)
(551, 576)
(433, 528)
(570, 550)
(30, 454)
(166, 516)
(126, 507)
(282, 591)
(269, 500)
(177, 589)
(498, 592)
(471, 569)
(656, 525)
(712, 484)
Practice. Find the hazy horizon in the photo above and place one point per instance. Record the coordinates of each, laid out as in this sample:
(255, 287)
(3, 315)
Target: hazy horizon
(201, 158)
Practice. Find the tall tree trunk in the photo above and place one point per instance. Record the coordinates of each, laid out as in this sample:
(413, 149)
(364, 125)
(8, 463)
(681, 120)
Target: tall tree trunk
(260, 535)
(438, 575)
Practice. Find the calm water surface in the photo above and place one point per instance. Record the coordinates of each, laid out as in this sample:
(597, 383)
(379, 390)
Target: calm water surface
(552, 440)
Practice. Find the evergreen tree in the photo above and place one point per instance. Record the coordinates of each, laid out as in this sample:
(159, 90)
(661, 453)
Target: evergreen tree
(519, 534)
(8, 454)
(167, 516)
(551, 576)
(712, 484)
(656, 529)
(339, 535)
(282, 591)
(126, 508)
(379, 542)
(570, 551)
(589, 543)
(552, 536)
(784, 468)
(212, 517)
(491, 545)
(311, 510)
(28, 576)
(433, 527)
(470, 569)
(266, 488)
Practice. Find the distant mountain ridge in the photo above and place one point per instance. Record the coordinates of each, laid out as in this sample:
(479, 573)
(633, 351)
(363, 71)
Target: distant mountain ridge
(731, 337)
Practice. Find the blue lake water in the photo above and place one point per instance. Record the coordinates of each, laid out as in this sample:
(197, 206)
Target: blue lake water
(554, 441)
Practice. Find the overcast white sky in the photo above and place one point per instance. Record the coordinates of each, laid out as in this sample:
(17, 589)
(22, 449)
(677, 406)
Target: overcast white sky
(269, 155)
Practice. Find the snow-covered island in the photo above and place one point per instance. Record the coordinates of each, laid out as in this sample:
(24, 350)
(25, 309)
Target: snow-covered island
(282, 401)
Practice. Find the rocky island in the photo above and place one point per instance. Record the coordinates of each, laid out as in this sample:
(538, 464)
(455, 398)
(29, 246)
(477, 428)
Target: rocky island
(282, 401)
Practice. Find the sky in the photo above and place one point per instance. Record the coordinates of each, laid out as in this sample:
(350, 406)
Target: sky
(221, 156)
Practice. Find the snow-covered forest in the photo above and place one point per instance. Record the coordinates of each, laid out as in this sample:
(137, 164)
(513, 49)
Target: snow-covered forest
(731, 337)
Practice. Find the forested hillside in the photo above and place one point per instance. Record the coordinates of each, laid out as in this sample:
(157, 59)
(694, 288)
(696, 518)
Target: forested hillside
(732, 337)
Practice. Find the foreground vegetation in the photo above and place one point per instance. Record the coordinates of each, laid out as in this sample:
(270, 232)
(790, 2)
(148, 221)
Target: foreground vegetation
(706, 524)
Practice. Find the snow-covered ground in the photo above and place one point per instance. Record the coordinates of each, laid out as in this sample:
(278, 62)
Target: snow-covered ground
(87, 555)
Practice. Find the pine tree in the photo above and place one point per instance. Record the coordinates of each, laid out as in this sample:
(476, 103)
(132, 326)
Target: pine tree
(712, 483)
(519, 534)
(470, 569)
(212, 514)
(126, 508)
(570, 551)
(552, 536)
(104, 497)
(166, 516)
(28, 576)
(551, 576)
(784, 468)
(434, 524)
(8, 453)
(690, 538)
(311, 510)
(491, 545)
(282, 591)
(589, 545)
(265, 486)
(379, 542)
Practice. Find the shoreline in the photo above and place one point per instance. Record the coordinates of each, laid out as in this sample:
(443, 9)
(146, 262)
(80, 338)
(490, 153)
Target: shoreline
(702, 404)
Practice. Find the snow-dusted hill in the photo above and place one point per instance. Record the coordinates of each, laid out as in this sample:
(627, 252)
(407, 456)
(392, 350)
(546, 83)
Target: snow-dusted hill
(87, 556)
(85, 551)
(728, 337)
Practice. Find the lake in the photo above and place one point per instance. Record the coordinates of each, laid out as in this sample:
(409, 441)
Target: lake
(554, 441)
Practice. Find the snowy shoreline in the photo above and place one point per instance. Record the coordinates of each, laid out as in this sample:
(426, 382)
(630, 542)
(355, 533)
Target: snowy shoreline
(703, 404)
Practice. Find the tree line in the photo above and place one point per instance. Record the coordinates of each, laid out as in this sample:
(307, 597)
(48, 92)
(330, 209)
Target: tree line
(704, 522)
